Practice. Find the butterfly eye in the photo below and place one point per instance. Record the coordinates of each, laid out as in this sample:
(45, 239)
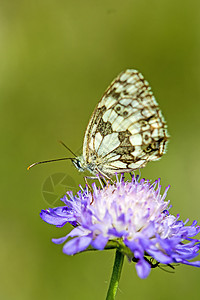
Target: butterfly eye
(78, 165)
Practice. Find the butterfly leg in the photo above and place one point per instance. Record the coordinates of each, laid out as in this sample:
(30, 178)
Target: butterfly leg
(104, 176)
(102, 182)
(89, 187)
(101, 179)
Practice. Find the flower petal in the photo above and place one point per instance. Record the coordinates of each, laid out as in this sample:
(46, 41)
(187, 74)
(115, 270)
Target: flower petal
(143, 268)
(131, 214)
(100, 242)
(76, 245)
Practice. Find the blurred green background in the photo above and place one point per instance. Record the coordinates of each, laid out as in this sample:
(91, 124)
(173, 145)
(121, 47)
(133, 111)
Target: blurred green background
(56, 60)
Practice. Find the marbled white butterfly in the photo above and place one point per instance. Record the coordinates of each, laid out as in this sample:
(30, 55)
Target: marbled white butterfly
(125, 131)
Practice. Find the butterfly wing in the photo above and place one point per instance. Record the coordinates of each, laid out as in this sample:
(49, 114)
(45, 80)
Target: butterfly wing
(127, 129)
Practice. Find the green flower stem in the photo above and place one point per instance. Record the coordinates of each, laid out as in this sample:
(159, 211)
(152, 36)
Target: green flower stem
(116, 273)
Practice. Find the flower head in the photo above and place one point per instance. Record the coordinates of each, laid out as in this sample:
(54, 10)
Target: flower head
(130, 216)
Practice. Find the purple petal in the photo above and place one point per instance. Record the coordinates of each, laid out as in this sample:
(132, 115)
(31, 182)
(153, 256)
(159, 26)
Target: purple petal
(78, 231)
(114, 232)
(143, 268)
(60, 240)
(190, 263)
(77, 245)
(149, 231)
(133, 246)
(160, 256)
(52, 218)
(134, 212)
(100, 242)
(57, 216)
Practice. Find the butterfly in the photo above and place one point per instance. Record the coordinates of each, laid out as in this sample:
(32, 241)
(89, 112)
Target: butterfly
(126, 129)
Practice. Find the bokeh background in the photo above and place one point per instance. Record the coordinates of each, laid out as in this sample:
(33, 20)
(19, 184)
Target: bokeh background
(56, 60)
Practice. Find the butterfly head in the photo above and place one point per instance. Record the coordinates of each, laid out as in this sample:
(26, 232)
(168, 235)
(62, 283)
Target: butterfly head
(79, 163)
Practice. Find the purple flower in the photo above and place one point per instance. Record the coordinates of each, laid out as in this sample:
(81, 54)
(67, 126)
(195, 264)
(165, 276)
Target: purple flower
(130, 216)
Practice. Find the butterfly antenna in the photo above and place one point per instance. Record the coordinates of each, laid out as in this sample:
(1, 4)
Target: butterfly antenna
(67, 148)
(47, 161)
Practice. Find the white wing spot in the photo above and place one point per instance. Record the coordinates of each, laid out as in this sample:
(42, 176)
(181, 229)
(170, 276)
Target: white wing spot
(139, 85)
(155, 133)
(137, 152)
(118, 164)
(117, 123)
(119, 89)
(131, 89)
(97, 141)
(112, 156)
(147, 112)
(134, 128)
(110, 115)
(116, 84)
(136, 117)
(123, 126)
(155, 124)
(125, 101)
(109, 143)
(135, 103)
(138, 164)
(124, 77)
(141, 76)
(131, 79)
(110, 102)
(136, 139)
(91, 143)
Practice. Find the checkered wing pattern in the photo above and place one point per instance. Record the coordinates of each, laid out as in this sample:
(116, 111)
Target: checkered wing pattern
(127, 128)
